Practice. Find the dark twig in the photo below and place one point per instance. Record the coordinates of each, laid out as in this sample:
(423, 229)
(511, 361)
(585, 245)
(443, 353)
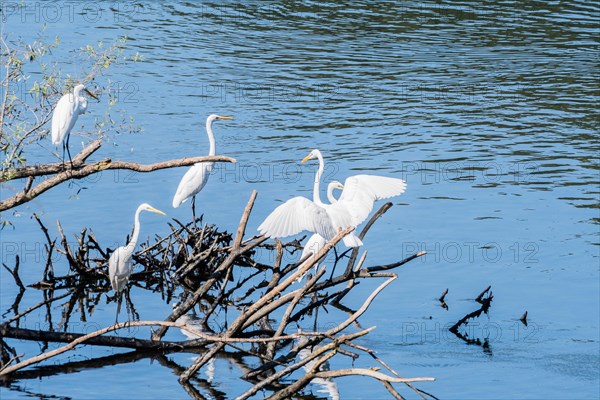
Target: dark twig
(523, 318)
(479, 297)
(15, 273)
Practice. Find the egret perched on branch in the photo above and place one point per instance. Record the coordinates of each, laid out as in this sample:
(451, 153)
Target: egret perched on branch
(119, 263)
(65, 115)
(316, 242)
(196, 177)
(353, 207)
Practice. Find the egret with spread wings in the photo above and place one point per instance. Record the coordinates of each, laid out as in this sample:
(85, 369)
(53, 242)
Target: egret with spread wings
(353, 207)
(316, 242)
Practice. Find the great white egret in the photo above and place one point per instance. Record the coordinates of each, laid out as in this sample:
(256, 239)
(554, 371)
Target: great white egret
(316, 241)
(330, 188)
(119, 263)
(196, 177)
(65, 115)
(352, 208)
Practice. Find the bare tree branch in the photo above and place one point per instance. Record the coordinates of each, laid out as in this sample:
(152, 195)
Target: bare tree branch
(81, 170)
(95, 338)
(369, 372)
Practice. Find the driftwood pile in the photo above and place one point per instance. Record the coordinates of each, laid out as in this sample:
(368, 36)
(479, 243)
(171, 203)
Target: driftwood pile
(246, 309)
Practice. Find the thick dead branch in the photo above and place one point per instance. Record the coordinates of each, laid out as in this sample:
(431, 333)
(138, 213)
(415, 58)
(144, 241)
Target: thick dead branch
(371, 373)
(96, 339)
(110, 341)
(239, 236)
(52, 168)
(43, 371)
(64, 172)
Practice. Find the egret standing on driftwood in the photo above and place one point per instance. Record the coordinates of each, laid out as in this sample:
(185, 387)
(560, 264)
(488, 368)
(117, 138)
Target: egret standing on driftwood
(119, 263)
(316, 242)
(196, 177)
(65, 115)
(353, 207)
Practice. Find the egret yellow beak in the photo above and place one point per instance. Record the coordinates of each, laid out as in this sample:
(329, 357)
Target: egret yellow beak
(308, 157)
(226, 117)
(154, 210)
(91, 94)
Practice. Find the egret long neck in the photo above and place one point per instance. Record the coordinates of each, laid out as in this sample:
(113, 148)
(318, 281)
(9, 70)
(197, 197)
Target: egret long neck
(136, 232)
(316, 196)
(330, 196)
(76, 96)
(211, 137)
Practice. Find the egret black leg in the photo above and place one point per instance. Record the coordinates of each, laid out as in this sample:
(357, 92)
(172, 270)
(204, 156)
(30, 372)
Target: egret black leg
(63, 154)
(315, 324)
(127, 308)
(334, 264)
(119, 299)
(68, 152)
(194, 210)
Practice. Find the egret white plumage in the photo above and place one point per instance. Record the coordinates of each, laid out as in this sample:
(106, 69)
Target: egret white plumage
(330, 188)
(316, 241)
(353, 207)
(65, 115)
(196, 177)
(119, 263)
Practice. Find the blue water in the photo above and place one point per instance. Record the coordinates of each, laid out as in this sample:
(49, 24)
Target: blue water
(488, 111)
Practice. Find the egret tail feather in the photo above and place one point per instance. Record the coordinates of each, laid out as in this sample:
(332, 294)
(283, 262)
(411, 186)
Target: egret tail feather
(351, 240)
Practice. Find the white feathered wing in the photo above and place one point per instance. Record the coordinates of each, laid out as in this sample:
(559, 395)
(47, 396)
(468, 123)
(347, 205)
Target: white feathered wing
(361, 191)
(296, 215)
(63, 118)
(192, 182)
